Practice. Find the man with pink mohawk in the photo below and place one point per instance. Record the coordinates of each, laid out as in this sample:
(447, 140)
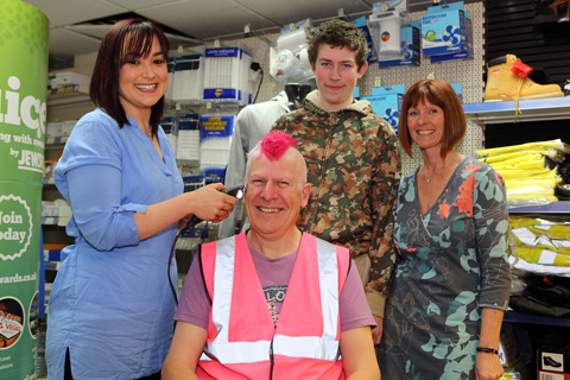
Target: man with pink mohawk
(273, 302)
(276, 144)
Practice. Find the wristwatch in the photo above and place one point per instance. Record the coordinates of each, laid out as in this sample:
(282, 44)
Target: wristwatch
(487, 350)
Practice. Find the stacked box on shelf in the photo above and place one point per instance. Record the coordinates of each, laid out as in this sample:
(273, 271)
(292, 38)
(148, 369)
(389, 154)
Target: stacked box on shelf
(386, 102)
(55, 212)
(188, 140)
(246, 78)
(58, 132)
(188, 78)
(553, 362)
(226, 75)
(169, 125)
(171, 66)
(49, 168)
(215, 141)
(64, 82)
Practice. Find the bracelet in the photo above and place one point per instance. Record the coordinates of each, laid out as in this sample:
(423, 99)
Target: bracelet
(487, 350)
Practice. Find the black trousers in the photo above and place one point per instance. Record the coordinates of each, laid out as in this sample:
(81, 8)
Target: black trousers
(67, 371)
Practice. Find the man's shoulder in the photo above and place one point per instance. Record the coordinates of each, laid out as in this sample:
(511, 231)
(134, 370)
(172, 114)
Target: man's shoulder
(290, 118)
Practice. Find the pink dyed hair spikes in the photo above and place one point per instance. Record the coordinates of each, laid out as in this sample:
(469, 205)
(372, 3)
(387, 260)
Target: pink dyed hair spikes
(275, 144)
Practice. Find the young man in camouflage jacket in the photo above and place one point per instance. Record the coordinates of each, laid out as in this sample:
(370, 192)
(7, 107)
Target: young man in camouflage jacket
(352, 158)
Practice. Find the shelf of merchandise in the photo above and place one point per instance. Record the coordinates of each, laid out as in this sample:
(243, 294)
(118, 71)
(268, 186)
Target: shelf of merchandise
(513, 316)
(67, 98)
(61, 107)
(530, 110)
(561, 207)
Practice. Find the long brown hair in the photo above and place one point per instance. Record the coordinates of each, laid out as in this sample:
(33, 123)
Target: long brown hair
(104, 86)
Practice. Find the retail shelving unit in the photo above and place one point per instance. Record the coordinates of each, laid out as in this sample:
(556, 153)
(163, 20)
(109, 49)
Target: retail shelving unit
(492, 115)
(534, 319)
(61, 107)
(485, 114)
(529, 110)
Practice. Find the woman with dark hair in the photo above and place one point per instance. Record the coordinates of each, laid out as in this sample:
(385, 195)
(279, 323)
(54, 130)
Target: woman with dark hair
(111, 307)
(451, 282)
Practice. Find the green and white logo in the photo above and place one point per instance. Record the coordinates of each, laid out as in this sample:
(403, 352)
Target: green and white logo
(15, 227)
(23, 90)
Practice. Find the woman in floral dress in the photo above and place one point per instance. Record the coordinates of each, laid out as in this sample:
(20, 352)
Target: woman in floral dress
(452, 280)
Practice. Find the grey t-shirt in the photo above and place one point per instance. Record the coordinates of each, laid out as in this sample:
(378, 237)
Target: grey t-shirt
(274, 274)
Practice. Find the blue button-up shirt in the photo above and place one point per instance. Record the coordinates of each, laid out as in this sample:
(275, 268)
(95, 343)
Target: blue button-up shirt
(111, 303)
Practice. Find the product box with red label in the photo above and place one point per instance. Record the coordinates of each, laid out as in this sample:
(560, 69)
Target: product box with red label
(553, 364)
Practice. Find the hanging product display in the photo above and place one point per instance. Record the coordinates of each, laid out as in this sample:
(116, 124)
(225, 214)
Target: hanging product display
(188, 139)
(289, 60)
(188, 78)
(445, 32)
(23, 85)
(507, 79)
(362, 24)
(385, 24)
(216, 133)
(386, 102)
(466, 51)
(410, 42)
(170, 127)
(227, 75)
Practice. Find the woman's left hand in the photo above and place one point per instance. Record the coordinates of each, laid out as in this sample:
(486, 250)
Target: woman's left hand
(488, 366)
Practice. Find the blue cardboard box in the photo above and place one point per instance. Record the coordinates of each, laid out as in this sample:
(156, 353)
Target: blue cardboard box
(410, 37)
(443, 30)
(468, 52)
(361, 24)
(386, 102)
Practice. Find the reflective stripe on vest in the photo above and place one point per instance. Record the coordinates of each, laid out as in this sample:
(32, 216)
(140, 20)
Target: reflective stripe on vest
(324, 347)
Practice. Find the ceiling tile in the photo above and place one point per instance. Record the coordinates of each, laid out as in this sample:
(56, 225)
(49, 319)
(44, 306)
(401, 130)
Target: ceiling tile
(133, 5)
(99, 32)
(65, 12)
(285, 12)
(207, 18)
(63, 41)
(203, 19)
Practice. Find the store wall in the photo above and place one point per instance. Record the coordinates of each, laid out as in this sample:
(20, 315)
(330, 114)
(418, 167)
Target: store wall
(467, 72)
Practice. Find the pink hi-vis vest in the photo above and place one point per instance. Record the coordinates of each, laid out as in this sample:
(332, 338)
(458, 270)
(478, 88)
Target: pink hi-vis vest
(242, 341)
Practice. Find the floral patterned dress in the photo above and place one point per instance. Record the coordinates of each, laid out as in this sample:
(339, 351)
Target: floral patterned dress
(451, 262)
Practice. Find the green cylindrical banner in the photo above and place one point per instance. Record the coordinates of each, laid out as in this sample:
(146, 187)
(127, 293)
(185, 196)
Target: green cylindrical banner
(23, 86)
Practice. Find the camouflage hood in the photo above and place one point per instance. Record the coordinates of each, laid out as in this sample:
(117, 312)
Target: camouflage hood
(313, 103)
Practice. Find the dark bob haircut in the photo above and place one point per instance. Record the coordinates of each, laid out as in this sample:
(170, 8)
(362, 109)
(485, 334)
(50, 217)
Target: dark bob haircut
(125, 37)
(339, 34)
(441, 94)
